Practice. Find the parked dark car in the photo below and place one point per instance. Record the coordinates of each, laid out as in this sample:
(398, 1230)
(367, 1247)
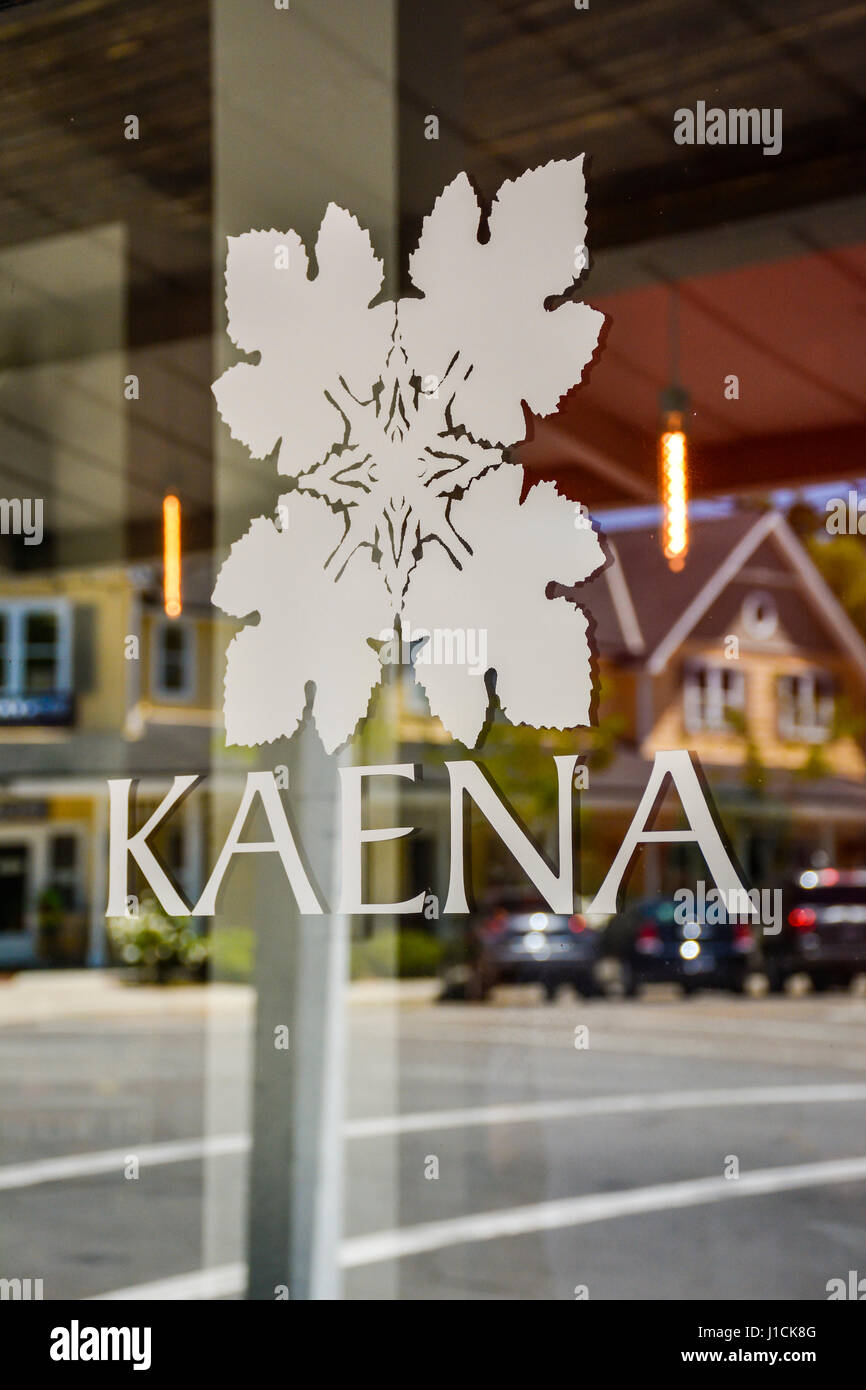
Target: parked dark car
(518, 940)
(651, 946)
(823, 933)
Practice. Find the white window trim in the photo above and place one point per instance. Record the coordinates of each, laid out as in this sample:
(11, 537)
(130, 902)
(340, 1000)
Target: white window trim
(788, 726)
(186, 696)
(37, 838)
(16, 611)
(694, 717)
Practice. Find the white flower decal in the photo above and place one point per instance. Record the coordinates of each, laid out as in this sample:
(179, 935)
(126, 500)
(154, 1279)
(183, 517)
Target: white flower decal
(391, 422)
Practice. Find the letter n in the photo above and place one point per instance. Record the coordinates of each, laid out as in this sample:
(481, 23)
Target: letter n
(557, 890)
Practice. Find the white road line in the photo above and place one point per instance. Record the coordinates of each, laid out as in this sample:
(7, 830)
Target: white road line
(225, 1280)
(581, 1211)
(549, 1032)
(528, 1112)
(687, 1046)
(650, 1019)
(85, 1165)
(220, 1282)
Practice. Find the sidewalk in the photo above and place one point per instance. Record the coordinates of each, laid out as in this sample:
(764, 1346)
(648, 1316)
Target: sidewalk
(44, 996)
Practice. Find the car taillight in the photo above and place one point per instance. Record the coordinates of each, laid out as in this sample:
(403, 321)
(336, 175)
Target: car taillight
(743, 939)
(648, 941)
(495, 924)
(577, 923)
(802, 918)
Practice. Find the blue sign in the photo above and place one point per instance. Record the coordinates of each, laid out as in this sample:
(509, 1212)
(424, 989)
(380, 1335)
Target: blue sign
(53, 707)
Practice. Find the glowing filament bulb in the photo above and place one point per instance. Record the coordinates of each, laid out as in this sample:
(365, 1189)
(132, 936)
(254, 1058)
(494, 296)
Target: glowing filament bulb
(673, 479)
(171, 555)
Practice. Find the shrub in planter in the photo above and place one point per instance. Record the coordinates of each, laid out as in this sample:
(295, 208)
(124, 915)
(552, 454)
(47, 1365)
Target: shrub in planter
(232, 954)
(156, 945)
(404, 955)
(50, 915)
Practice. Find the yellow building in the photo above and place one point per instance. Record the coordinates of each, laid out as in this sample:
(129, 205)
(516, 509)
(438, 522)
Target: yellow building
(745, 658)
(97, 683)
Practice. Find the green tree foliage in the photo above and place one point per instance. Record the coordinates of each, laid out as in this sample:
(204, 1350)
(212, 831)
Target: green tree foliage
(842, 563)
(840, 559)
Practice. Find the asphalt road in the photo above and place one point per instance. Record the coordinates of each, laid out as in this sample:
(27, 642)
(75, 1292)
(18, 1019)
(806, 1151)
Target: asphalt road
(487, 1157)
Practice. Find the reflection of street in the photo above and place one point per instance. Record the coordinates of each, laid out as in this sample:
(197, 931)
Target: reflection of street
(517, 1118)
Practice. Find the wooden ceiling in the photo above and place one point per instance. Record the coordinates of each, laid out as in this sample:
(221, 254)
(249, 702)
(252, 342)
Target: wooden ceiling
(790, 331)
(543, 80)
(70, 72)
(768, 252)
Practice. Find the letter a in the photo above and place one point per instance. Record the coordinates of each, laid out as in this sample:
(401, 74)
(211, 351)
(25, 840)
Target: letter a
(263, 784)
(702, 830)
(684, 126)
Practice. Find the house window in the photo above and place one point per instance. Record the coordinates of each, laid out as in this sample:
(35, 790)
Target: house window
(35, 649)
(807, 703)
(711, 695)
(64, 867)
(174, 660)
(41, 652)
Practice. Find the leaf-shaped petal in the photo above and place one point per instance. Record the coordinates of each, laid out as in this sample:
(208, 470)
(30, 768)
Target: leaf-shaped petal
(239, 394)
(314, 622)
(498, 605)
(487, 300)
(265, 277)
(349, 270)
(449, 236)
(310, 333)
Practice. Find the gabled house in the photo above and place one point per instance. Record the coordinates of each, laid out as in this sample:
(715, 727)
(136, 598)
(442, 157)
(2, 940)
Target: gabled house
(746, 658)
(95, 682)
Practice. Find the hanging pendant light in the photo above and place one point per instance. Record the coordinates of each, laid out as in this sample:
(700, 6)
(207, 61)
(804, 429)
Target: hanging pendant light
(171, 555)
(673, 453)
